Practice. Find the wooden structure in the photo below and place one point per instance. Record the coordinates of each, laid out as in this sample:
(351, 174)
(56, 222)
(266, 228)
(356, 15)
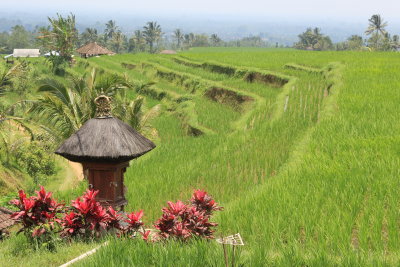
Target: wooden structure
(93, 49)
(5, 221)
(105, 145)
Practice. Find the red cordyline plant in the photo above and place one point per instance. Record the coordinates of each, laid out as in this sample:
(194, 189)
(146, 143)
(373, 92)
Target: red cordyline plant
(87, 218)
(183, 221)
(39, 218)
(37, 214)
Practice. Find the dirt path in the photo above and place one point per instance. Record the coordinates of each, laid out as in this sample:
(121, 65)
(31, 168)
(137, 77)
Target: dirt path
(77, 169)
(70, 175)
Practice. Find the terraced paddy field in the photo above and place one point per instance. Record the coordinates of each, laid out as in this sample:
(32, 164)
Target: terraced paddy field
(300, 148)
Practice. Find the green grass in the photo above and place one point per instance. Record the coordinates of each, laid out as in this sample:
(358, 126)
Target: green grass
(309, 177)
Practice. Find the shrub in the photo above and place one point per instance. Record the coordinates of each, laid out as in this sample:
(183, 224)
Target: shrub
(38, 216)
(36, 161)
(182, 221)
(86, 218)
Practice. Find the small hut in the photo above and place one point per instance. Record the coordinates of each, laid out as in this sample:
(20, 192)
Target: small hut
(93, 49)
(105, 145)
(5, 221)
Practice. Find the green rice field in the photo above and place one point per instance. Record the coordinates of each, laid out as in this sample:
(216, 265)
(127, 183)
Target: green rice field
(301, 148)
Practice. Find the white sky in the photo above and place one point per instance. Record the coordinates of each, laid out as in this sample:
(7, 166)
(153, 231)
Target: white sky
(284, 9)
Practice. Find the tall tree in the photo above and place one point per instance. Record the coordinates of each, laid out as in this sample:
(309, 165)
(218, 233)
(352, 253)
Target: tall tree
(111, 28)
(62, 36)
(376, 25)
(89, 35)
(118, 41)
(215, 40)
(152, 33)
(64, 107)
(313, 39)
(137, 42)
(179, 37)
(19, 37)
(379, 38)
(355, 42)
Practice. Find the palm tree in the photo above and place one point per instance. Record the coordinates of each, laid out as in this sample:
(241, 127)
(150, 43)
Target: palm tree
(62, 109)
(178, 35)
(111, 28)
(89, 35)
(140, 42)
(152, 33)
(118, 41)
(9, 73)
(133, 111)
(376, 25)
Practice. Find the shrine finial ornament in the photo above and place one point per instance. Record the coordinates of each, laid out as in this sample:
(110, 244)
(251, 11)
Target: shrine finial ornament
(103, 108)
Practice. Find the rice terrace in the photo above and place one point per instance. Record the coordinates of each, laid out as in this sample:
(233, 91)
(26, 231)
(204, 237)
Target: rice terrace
(176, 152)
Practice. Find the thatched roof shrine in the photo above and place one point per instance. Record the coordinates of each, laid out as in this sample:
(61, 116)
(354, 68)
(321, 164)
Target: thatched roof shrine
(104, 139)
(93, 49)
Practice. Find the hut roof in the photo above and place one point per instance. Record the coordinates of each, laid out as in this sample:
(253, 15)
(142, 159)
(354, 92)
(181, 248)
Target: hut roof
(5, 219)
(168, 52)
(26, 53)
(94, 49)
(105, 139)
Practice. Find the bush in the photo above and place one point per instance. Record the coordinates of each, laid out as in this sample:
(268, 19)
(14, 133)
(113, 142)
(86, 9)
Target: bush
(87, 219)
(38, 216)
(183, 221)
(35, 160)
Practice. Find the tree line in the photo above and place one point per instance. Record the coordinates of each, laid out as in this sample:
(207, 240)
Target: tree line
(150, 38)
(378, 39)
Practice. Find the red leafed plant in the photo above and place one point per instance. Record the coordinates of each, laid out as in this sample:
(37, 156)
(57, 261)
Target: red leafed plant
(183, 221)
(86, 217)
(133, 223)
(37, 214)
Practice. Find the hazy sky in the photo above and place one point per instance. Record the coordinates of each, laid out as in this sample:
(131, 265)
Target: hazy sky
(285, 9)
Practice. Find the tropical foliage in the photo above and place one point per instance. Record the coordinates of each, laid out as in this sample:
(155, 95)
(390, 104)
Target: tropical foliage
(64, 108)
(63, 35)
(152, 34)
(313, 39)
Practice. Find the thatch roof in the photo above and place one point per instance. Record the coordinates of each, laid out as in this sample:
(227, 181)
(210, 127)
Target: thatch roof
(105, 139)
(168, 52)
(26, 53)
(94, 49)
(5, 218)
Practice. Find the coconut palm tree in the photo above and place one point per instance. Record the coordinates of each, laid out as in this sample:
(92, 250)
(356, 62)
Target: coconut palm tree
(152, 33)
(118, 41)
(133, 111)
(89, 35)
(62, 109)
(179, 37)
(376, 25)
(111, 28)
